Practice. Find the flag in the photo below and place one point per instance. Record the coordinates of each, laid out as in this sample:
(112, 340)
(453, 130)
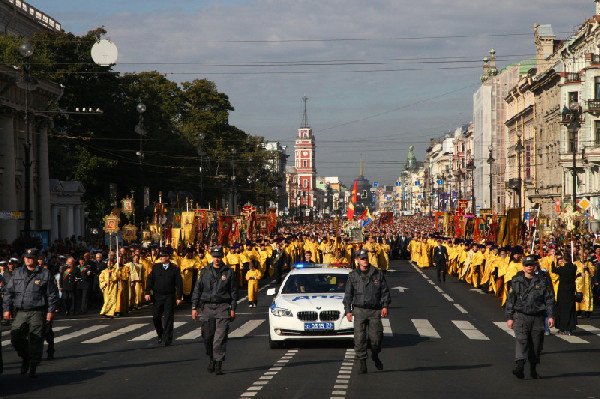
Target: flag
(352, 201)
(366, 217)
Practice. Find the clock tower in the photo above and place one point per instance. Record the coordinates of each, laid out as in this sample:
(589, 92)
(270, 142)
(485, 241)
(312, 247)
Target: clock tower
(304, 156)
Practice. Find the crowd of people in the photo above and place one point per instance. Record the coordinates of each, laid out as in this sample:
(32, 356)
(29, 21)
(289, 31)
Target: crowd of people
(115, 283)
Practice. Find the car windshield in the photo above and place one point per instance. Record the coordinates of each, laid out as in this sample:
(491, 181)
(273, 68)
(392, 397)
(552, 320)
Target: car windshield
(315, 283)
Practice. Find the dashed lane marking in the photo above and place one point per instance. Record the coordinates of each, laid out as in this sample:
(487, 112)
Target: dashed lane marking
(268, 375)
(460, 308)
(502, 325)
(342, 380)
(469, 330)
(590, 329)
(194, 334)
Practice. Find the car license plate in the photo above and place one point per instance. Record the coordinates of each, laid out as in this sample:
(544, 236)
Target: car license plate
(318, 326)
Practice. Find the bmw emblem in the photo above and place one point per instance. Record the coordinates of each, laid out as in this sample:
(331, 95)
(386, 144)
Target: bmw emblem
(318, 308)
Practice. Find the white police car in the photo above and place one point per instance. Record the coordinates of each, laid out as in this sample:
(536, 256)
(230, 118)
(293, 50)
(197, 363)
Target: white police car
(308, 305)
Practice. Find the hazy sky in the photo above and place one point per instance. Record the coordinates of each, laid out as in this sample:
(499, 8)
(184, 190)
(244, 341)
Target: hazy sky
(380, 75)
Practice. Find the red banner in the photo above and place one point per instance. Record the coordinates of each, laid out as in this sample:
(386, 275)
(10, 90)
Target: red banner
(224, 228)
(386, 218)
(458, 231)
(262, 224)
(462, 207)
(272, 214)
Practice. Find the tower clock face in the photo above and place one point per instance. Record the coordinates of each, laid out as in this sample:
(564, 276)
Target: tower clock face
(304, 153)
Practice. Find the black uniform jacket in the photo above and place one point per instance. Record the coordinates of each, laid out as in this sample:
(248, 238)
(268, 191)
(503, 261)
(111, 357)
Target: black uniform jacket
(368, 291)
(165, 282)
(34, 291)
(215, 286)
(535, 297)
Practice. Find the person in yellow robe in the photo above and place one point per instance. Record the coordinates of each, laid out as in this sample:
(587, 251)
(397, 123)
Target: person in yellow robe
(373, 250)
(188, 266)
(423, 260)
(549, 263)
(123, 289)
(514, 266)
(584, 284)
(383, 258)
(477, 265)
(263, 257)
(136, 282)
(253, 276)
(109, 279)
(501, 265)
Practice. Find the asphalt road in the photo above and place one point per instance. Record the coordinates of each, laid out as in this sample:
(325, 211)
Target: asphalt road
(441, 341)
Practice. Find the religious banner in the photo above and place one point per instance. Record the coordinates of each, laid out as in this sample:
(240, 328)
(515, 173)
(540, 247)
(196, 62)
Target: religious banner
(127, 206)
(514, 226)
(439, 217)
(388, 218)
(262, 224)
(448, 228)
(111, 223)
(176, 237)
(129, 233)
(477, 229)
(501, 238)
(234, 233)
(458, 229)
(223, 229)
(272, 213)
(462, 206)
(188, 231)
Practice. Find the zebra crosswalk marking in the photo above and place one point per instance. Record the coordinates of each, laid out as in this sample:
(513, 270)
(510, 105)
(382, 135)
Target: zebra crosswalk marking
(469, 330)
(113, 334)
(152, 334)
(79, 333)
(246, 328)
(425, 329)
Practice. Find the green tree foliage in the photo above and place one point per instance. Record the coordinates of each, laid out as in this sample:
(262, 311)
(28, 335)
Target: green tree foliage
(182, 124)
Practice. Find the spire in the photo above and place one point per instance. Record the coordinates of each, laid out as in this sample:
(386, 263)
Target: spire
(304, 115)
(361, 168)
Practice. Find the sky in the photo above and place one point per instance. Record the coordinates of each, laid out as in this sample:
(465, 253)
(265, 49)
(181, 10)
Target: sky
(380, 75)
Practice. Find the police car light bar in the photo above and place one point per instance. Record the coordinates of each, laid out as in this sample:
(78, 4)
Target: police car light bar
(307, 265)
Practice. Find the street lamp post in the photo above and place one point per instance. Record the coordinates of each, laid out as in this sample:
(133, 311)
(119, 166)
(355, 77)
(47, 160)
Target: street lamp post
(26, 51)
(201, 154)
(490, 162)
(471, 169)
(571, 117)
(141, 131)
(519, 148)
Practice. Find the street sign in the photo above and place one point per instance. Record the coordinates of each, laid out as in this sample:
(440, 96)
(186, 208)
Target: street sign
(526, 216)
(375, 184)
(440, 182)
(397, 184)
(584, 204)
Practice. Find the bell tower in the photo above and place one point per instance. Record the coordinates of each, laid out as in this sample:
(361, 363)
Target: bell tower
(304, 156)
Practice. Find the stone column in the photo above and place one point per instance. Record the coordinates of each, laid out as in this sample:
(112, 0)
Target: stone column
(70, 221)
(9, 229)
(54, 223)
(43, 179)
(77, 220)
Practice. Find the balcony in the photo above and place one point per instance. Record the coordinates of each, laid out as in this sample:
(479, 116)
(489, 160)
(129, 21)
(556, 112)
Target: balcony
(593, 106)
(571, 77)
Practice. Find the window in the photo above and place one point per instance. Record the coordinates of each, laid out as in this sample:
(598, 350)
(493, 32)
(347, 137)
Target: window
(596, 133)
(573, 97)
(304, 163)
(597, 87)
(305, 183)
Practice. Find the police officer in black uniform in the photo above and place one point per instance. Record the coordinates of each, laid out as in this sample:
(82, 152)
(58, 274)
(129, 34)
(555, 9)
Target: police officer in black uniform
(33, 293)
(165, 283)
(366, 301)
(215, 296)
(530, 300)
(440, 260)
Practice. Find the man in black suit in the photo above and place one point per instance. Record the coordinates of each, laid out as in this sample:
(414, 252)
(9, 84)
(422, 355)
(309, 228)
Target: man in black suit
(440, 260)
(166, 285)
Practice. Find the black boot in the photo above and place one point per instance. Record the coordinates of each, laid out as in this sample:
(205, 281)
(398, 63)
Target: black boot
(219, 368)
(533, 370)
(378, 364)
(24, 366)
(518, 370)
(32, 370)
(211, 365)
(362, 367)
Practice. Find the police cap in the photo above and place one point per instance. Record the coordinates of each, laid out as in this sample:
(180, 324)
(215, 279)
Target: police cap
(530, 260)
(217, 251)
(31, 253)
(362, 254)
